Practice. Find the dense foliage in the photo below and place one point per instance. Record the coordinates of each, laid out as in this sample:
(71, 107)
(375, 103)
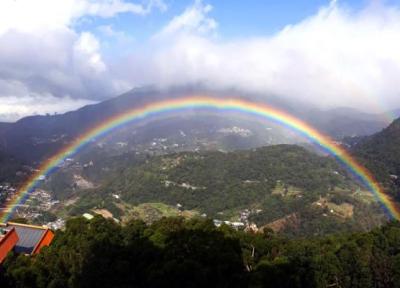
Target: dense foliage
(380, 153)
(177, 253)
(276, 181)
(216, 181)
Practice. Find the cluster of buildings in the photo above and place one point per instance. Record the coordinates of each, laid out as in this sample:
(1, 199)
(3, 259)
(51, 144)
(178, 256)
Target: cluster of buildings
(57, 224)
(7, 191)
(159, 146)
(39, 202)
(23, 239)
(236, 225)
(243, 223)
(42, 199)
(156, 146)
(236, 131)
(246, 213)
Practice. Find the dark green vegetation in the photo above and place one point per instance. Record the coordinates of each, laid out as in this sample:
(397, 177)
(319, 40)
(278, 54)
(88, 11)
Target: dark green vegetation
(380, 153)
(274, 182)
(177, 253)
(8, 168)
(218, 181)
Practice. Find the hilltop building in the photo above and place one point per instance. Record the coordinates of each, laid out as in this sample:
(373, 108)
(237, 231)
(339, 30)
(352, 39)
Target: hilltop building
(22, 238)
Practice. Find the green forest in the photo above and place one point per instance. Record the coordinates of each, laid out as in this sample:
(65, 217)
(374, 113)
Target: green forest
(380, 153)
(174, 252)
(276, 181)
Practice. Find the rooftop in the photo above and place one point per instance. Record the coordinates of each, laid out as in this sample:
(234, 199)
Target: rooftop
(29, 236)
(8, 240)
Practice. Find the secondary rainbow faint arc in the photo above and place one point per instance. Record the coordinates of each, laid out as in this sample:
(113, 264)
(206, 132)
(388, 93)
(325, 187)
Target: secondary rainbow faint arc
(201, 102)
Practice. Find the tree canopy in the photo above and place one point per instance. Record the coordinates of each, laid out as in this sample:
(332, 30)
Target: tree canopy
(175, 252)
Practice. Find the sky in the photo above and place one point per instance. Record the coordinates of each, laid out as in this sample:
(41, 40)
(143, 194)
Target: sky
(57, 56)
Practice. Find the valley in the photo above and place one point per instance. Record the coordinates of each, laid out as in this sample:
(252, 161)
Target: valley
(256, 188)
(229, 168)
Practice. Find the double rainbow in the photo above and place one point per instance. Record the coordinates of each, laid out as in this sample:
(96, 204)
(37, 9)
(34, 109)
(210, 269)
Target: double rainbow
(209, 103)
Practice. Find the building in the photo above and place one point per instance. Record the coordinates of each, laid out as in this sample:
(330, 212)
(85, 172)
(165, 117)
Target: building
(8, 240)
(22, 238)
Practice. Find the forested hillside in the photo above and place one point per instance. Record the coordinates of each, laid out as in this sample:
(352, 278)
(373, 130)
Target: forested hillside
(177, 253)
(380, 153)
(9, 166)
(216, 181)
(285, 187)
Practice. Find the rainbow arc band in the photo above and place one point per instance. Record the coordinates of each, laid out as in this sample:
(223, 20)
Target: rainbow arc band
(213, 104)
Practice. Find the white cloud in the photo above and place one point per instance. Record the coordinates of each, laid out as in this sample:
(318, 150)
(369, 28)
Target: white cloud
(87, 47)
(42, 55)
(110, 8)
(38, 15)
(193, 20)
(12, 108)
(336, 57)
(62, 63)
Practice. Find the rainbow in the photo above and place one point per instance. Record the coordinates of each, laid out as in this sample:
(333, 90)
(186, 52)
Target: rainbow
(200, 102)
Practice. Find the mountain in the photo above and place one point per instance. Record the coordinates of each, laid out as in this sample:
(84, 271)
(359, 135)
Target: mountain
(34, 138)
(119, 163)
(9, 168)
(380, 153)
(342, 122)
(284, 187)
(394, 113)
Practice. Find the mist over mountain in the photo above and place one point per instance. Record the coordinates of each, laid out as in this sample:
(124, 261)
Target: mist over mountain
(36, 137)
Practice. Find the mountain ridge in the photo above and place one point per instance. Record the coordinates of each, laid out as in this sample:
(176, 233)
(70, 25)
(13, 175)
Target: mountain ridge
(44, 135)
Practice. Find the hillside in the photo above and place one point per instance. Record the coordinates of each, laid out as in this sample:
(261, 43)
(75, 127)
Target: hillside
(263, 186)
(9, 166)
(342, 122)
(381, 155)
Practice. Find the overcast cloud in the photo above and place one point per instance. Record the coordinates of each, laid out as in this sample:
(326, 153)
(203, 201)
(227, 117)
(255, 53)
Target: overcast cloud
(45, 65)
(337, 57)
